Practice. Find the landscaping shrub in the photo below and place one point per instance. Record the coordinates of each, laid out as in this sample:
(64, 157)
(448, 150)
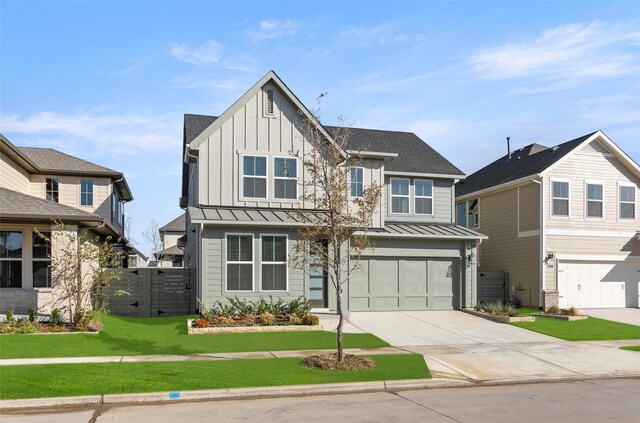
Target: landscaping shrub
(241, 312)
(311, 319)
(32, 315)
(498, 308)
(56, 317)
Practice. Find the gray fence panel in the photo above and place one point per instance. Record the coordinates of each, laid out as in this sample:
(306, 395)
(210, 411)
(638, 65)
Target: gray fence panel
(493, 286)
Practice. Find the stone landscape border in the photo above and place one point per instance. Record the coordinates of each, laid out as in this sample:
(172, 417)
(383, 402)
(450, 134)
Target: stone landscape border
(499, 319)
(247, 329)
(562, 316)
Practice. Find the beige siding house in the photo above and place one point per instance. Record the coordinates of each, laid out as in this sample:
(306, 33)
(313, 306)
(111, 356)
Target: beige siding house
(241, 183)
(39, 186)
(173, 238)
(562, 221)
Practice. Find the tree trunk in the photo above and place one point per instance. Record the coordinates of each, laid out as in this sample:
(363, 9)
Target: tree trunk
(340, 323)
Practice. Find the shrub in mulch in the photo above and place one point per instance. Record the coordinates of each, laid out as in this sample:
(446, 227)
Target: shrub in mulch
(329, 361)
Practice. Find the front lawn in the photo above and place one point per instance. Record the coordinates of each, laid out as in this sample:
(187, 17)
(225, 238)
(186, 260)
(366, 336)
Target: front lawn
(119, 378)
(636, 348)
(591, 329)
(168, 335)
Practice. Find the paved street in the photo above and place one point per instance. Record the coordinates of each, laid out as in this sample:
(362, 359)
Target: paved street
(586, 401)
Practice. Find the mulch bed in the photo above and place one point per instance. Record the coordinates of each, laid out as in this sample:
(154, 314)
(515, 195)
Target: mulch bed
(329, 361)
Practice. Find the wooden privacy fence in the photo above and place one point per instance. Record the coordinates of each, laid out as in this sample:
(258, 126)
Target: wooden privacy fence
(151, 292)
(493, 286)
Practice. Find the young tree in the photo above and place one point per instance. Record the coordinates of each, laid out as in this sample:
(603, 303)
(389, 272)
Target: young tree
(80, 269)
(152, 236)
(337, 235)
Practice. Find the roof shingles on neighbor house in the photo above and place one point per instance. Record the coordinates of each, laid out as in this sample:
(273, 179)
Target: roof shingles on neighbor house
(526, 161)
(176, 225)
(48, 159)
(19, 205)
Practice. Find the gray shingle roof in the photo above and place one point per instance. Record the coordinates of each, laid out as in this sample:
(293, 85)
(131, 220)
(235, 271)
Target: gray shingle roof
(170, 251)
(195, 124)
(527, 161)
(48, 159)
(15, 204)
(176, 225)
(414, 155)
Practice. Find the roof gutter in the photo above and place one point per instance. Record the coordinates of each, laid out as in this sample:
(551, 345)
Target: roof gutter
(373, 154)
(496, 188)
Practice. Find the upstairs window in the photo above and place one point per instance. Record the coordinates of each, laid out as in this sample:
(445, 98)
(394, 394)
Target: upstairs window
(117, 209)
(86, 192)
(285, 177)
(474, 214)
(560, 197)
(461, 214)
(423, 196)
(255, 176)
(52, 189)
(399, 196)
(274, 263)
(357, 181)
(627, 207)
(10, 259)
(239, 263)
(41, 261)
(594, 200)
(176, 262)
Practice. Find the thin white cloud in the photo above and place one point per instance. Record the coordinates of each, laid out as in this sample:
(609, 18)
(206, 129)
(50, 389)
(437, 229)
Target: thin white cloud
(96, 134)
(613, 110)
(562, 57)
(382, 34)
(208, 53)
(209, 82)
(272, 29)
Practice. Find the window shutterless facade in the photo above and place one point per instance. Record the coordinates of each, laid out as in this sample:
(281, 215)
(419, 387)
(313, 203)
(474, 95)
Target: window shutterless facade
(86, 192)
(400, 196)
(594, 200)
(285, 173)
(254, 176)
(10, 259)
(52, 189)
(560, 198)
(239, 265)
(41, 261)
(357, 181)
(274, 263)
(627, 202)
(423, 196)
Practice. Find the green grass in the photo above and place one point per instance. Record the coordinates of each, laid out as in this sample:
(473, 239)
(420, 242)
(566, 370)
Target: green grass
(527, 311)
(168, 335)
(635, 348)
(90, 379)
(591, 329)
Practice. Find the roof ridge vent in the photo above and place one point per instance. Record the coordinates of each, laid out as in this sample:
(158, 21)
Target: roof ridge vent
(555, 148)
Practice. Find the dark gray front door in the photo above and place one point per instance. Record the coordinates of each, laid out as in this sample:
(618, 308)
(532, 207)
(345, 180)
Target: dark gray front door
(318, 279)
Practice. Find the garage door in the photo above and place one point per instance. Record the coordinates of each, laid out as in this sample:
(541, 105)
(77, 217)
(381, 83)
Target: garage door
(392, 283)
(602, 284)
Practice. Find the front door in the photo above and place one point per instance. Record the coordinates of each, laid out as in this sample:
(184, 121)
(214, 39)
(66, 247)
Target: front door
(318, 279)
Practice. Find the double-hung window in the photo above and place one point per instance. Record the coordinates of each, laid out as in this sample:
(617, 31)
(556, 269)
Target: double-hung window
(357, 181)
(52, 189)
(274, 263)
(594, 200)
(399, 196)
(86, 192)
(239, 262)
(627, 196)
(560, 198)
(10, 259)
(423, 196)
(285, 177)
(255, 176)
(41, 261)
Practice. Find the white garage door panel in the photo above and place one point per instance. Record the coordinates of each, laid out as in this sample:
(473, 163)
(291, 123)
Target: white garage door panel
(602, 284)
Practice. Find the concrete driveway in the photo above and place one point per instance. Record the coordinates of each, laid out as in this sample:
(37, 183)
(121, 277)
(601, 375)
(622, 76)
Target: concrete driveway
(623, 315)
(461, 346)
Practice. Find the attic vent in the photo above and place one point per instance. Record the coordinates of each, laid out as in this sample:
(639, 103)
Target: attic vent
(518, 158)
(555, 148)
(269, 105)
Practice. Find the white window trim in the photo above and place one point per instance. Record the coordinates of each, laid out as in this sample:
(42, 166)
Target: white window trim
(252, 262)
(265, 177)
(476, 222)
(93, 192)
(285, 177)
(46, 192)
(586, 199)
(351, 181)
(619, 202)
(41, 259)
(391, 195)
(416, 196)
(25, 261)
(559, 216)
(286, 263)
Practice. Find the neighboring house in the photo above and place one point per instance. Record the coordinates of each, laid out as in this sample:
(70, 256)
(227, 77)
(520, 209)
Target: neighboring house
(172, 236)
(563, 221)
(37, 187)
(135, 258)
(240, 228)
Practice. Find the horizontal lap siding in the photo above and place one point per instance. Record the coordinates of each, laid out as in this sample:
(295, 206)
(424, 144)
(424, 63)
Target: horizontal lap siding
(442, 203)
(13, 176)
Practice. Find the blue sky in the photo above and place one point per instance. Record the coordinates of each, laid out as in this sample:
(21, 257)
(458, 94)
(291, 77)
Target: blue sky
(110, 81)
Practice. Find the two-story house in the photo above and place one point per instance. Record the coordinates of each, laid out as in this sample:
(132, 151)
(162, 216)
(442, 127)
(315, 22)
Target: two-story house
(172, 253)
(562, 221)
(241, 229)
(39, 186)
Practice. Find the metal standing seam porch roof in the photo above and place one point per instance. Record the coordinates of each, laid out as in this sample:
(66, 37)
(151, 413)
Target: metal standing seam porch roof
(273, 217)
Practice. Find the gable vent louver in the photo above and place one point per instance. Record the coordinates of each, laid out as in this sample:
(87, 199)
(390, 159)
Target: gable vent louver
(270, 102)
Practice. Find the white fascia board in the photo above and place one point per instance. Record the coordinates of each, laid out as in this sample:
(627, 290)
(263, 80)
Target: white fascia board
(420, 236)
(373, 154)
(424, 175)
(245, 223)
(501, 187)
